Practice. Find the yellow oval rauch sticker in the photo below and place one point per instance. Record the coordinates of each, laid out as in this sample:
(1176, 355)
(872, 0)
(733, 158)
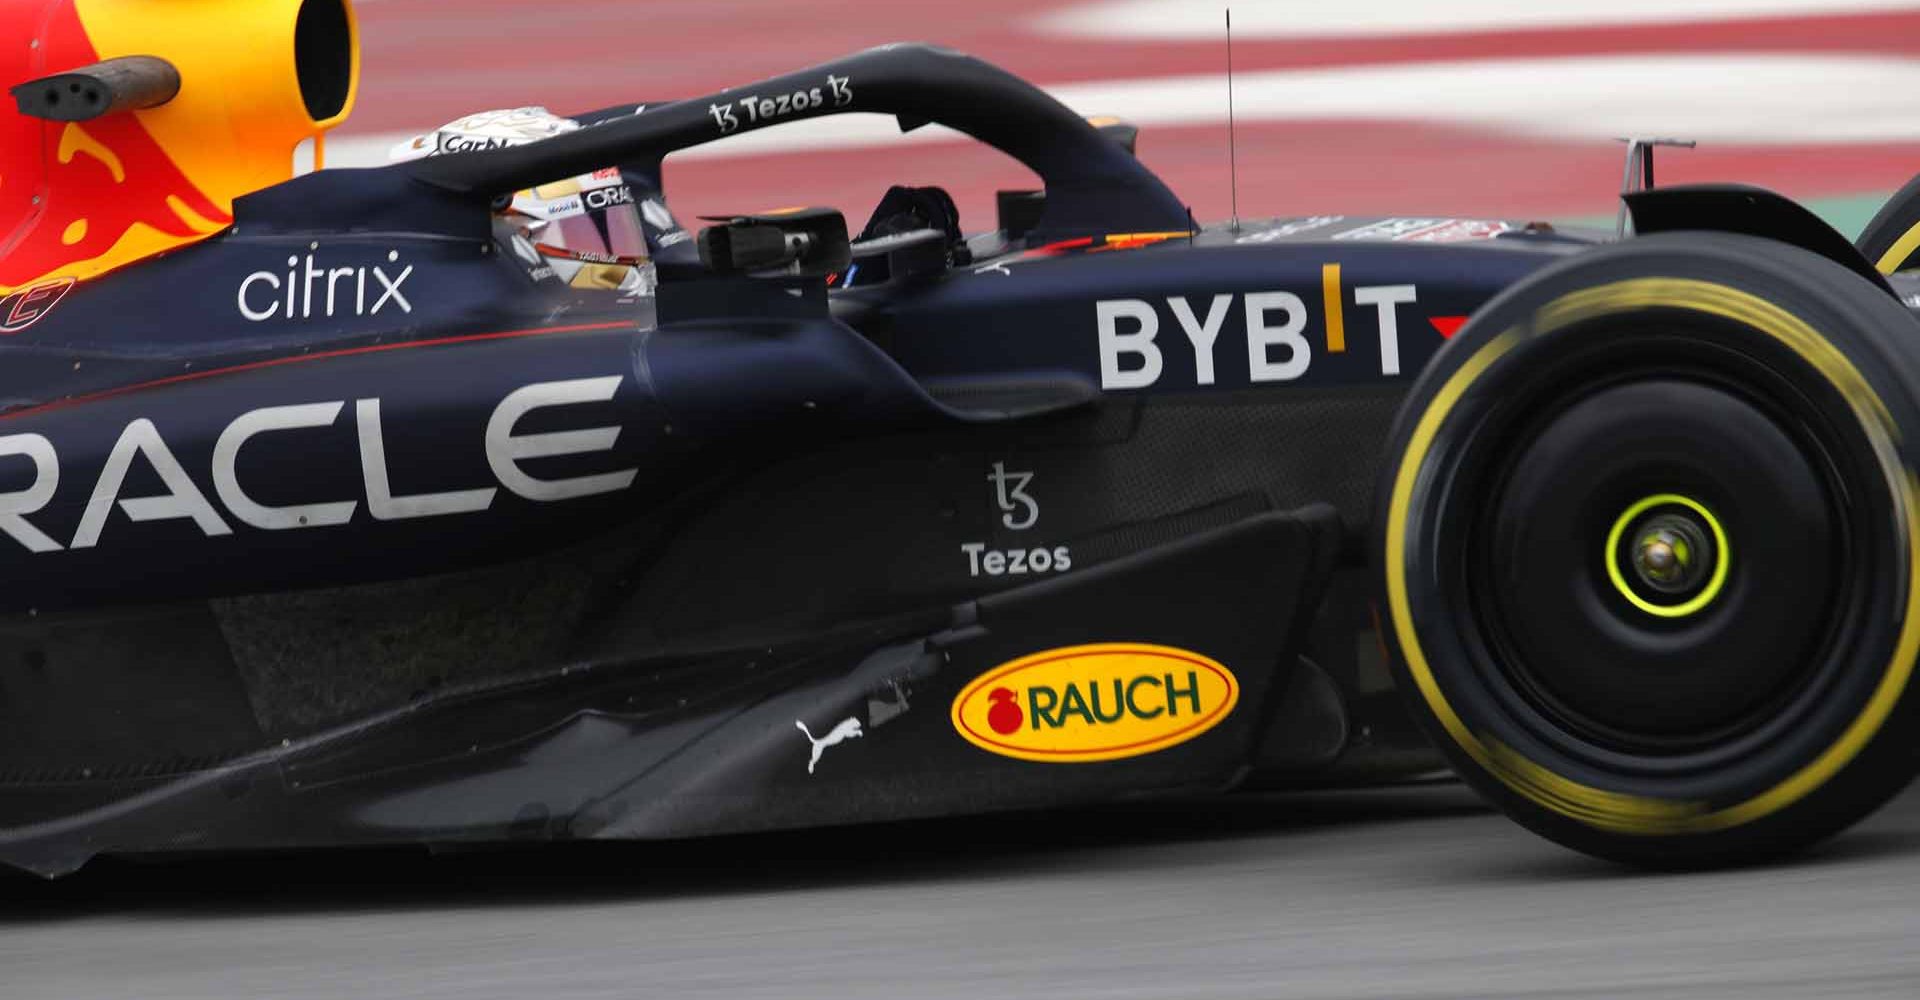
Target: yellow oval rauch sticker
(1096, 702)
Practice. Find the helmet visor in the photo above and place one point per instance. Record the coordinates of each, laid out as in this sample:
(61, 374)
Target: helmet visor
(610, 234)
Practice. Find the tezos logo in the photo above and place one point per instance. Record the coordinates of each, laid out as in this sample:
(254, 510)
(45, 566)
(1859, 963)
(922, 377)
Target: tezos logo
(1098, 702)
(311, 290)
(1018, 512)
(758, 109)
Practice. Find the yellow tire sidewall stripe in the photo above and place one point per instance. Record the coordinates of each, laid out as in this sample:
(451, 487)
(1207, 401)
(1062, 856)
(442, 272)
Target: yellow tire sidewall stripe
(1613, 811)
(1902, 248)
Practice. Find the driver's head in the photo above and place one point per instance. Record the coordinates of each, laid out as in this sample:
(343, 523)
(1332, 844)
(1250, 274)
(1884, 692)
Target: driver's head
(587, 229)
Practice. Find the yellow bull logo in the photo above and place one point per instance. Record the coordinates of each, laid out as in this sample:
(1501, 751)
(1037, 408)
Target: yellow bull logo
(80, 198)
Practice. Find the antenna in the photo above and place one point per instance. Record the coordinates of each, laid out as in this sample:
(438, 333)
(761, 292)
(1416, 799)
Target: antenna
(1233, 152)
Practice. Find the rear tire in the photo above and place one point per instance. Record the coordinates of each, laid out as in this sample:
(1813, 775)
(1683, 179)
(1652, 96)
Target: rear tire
(1649, 536)
(1891, 241)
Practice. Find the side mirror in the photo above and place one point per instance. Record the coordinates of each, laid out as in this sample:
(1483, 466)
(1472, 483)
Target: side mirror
(809, 242)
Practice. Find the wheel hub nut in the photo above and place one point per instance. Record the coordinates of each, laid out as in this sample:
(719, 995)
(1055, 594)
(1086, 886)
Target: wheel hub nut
(1670, 553)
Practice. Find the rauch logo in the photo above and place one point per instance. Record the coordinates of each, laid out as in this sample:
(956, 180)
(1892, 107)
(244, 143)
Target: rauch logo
(1097, 702)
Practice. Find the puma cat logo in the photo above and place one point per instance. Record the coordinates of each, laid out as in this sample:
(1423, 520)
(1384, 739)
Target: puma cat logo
(848, 729)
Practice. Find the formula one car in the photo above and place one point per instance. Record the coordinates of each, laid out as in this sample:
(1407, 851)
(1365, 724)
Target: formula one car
(334, 513)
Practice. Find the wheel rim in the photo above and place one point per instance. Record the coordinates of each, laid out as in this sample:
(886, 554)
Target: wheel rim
(1672, 546)
(1578, 632)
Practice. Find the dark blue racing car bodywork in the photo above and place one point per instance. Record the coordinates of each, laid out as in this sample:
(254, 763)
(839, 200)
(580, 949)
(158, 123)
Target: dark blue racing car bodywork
(341, 527)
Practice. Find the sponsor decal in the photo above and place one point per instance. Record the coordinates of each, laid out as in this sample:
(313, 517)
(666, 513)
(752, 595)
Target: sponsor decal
(1290, 228)
(1010, 491)
(983, 561)
(450, 142)
(1272, 326)
(141, 456)
(1426, 230)
(758, 109)
(847, 729)
(307, 291)
(558, 208)
(1456, 231)
(607, 197)
(559, 200)
(1387, 229)
(24, 307)
(1018, 511)
(1106, 701)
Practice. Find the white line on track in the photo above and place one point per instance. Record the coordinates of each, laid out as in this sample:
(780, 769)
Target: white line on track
(1282, 19)
(1769, 99)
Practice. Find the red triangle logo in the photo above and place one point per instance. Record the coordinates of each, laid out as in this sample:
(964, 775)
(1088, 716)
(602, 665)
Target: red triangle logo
(1447, 325)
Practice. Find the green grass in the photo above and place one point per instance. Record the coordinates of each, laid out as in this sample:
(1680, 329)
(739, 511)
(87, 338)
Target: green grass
(1849, 215)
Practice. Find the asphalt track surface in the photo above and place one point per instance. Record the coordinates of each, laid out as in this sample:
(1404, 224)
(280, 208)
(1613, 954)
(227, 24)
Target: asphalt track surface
(1413, 892)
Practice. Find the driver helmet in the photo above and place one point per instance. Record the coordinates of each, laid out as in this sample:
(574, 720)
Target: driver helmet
(586, 231)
